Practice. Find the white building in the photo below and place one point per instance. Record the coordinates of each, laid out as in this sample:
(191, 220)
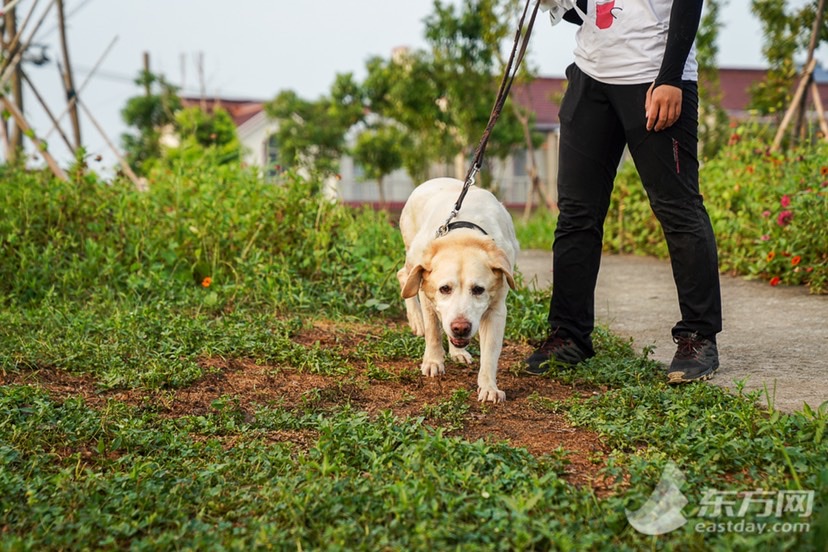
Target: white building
(256, 132)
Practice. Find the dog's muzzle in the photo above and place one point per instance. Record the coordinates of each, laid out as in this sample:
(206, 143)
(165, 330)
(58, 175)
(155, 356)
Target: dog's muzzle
(460, 343)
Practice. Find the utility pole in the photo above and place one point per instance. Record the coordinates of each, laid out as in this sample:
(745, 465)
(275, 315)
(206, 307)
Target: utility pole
(68, 80)
(147, 83)
(201, 85)
(16, 136)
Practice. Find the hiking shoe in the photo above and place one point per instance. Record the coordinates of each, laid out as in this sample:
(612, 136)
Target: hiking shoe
(556, 350)
(696, 359)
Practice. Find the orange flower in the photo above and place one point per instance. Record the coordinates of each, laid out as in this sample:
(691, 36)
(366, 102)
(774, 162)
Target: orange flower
(796, 260)
(823, 171)
(775, 281)
(206, 282)
(771, 256)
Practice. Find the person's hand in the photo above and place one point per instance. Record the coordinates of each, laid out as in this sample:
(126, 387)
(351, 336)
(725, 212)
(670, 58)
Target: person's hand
(556, 8)
(662, 106)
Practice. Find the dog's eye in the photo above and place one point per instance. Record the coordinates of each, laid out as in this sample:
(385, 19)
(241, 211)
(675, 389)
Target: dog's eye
(477, 290)
(445, 290)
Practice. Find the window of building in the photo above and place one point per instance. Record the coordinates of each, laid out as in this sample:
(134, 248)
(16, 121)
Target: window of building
(519, 163)
(273, 166)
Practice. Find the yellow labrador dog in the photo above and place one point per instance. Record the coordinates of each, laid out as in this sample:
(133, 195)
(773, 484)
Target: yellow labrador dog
(458, 280)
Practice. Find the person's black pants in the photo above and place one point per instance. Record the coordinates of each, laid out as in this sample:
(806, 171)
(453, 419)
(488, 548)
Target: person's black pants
(597, 121)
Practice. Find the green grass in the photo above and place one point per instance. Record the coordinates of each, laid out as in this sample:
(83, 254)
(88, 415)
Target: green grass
(104, 283)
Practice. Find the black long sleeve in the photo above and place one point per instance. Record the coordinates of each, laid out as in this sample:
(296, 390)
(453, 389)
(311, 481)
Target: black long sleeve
(685, 17)
(572, 15)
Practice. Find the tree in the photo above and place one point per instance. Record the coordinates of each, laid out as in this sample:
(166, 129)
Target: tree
(405, 90)
(786, 33)
(379, 151)
(465, 45)
(713, 119)
(150, 114)
(311, 134)
(200, 132)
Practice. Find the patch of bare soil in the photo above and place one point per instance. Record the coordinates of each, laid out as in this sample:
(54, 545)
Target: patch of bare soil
(395, 385)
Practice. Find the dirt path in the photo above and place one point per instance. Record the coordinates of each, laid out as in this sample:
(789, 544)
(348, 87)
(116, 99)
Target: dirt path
(774, 337)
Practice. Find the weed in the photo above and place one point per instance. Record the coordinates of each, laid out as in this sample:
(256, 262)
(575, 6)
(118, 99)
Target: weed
(103, 282)
(451, 412)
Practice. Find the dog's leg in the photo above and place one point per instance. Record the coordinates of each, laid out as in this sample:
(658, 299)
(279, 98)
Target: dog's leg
(413, 311)
(435, 355)
(492, 330)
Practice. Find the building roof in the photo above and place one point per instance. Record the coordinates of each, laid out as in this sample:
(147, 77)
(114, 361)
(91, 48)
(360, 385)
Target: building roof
(542, 96)
(240, 110)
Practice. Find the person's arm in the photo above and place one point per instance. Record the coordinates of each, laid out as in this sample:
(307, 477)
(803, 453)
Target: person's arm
(572, 15)
(663, 103)
(684, 24)
(563, 9)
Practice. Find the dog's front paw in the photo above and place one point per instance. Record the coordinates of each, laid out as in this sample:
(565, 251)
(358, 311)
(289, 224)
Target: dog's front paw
(492, 394)
(461, 356)
(432, 368)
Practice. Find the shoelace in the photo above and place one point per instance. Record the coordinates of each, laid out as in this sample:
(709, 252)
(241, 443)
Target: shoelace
(554, 342)
(689, 346)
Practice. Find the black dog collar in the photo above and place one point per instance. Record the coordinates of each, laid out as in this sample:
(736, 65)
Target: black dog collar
(464, 224)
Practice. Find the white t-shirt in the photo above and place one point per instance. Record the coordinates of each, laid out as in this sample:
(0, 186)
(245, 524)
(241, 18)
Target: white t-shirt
(623, 41)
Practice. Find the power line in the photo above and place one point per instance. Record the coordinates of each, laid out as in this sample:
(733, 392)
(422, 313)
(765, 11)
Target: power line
(68, 15)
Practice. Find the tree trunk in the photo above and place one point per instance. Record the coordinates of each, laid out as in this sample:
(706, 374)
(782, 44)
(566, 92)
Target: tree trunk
(382, 201)
(15, 144)
(68, 79)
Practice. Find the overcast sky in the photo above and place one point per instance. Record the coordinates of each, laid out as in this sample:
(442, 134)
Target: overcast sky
(256, 48)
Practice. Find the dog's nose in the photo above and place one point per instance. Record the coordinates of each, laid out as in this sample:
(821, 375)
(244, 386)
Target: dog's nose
(461, 328)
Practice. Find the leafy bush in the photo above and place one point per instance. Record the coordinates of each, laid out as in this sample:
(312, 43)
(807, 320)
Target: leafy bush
(208, 226)
(137, 289)
(769, 211)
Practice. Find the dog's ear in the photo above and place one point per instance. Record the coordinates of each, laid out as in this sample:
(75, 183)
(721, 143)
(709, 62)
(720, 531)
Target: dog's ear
(412, 284)
(501, 264)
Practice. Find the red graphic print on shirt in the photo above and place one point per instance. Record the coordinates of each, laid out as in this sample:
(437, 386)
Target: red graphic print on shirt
(603, 13)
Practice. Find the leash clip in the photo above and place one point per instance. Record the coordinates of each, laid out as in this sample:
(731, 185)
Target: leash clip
(443, 230)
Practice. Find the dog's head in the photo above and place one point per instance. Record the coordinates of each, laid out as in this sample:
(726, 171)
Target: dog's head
(463, 277)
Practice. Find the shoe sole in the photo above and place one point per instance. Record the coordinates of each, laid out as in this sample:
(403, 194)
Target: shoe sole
(677, 378)
(548, 366)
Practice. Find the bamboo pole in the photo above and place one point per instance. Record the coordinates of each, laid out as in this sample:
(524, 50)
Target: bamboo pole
(823, 125)
(10, 6)
(139, 183)
(20, 28)
(11, 64)
(812, 45)
(40, 146)
(74, 98)
(48, 111)
(800, 90)
(4, 138)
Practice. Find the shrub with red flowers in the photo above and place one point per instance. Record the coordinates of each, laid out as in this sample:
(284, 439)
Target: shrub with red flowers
(769, 211)
(784, 218)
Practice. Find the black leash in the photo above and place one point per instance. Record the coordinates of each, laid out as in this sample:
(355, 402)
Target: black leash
(515, 58)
